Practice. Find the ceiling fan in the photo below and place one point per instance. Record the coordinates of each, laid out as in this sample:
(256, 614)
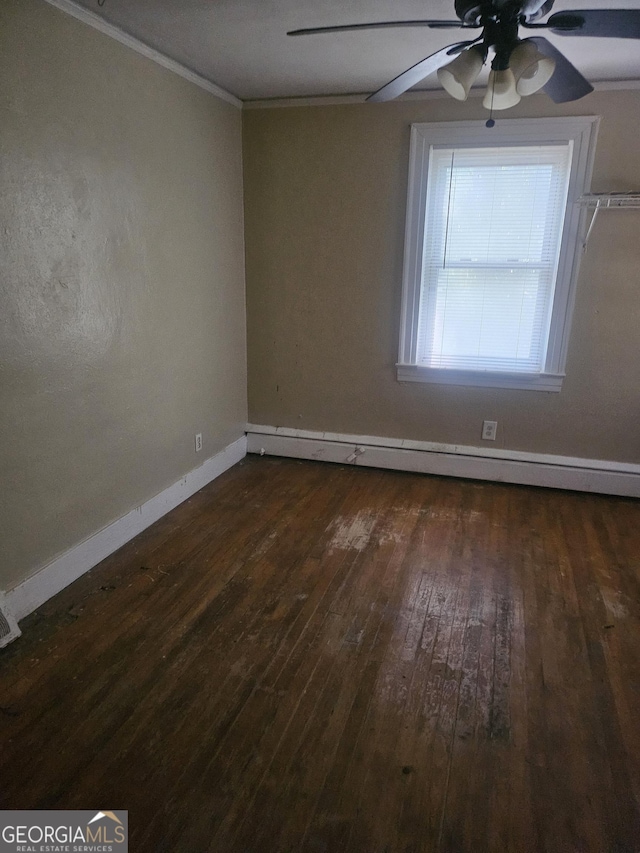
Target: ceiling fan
(519, 66)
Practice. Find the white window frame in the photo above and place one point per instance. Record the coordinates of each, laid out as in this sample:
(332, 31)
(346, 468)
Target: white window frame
(582, 130)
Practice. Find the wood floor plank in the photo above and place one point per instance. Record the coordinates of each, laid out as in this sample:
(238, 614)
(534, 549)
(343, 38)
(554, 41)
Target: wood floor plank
(321, 658)
(332, 819)
(349, 635)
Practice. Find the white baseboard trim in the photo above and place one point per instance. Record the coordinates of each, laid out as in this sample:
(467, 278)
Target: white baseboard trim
(68, 567)
(451, 460)
(99, 23)
(9, 630)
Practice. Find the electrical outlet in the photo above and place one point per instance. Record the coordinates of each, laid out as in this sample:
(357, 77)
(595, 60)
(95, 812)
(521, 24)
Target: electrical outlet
(489, 430)
(198, 442)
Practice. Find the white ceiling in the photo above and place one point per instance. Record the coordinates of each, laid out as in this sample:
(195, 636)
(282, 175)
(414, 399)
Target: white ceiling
(242, 46)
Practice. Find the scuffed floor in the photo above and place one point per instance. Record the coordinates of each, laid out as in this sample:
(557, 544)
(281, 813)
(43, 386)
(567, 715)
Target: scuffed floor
(311, 657)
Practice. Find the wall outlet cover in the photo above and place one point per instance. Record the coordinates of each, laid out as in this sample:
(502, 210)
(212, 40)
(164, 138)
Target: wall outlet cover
(489, 430)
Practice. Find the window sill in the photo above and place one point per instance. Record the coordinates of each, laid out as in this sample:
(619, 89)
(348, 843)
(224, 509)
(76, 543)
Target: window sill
(550, 382)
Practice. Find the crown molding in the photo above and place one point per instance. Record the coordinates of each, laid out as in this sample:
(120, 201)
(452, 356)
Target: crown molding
(98, 23)
(414, 95)
(612, 85)
(331, 100)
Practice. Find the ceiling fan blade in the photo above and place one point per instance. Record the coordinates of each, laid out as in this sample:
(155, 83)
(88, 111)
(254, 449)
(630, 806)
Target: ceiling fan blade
(566, 83)
(599, 23)
(417, 72)
(379, 25)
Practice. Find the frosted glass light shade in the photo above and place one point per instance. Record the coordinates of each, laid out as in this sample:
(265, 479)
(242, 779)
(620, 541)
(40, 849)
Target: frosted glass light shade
(458, 76)
(531, 68)
(501, 91)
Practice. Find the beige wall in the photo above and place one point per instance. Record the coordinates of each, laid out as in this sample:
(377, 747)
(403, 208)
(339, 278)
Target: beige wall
(122, 328)
(325, 194)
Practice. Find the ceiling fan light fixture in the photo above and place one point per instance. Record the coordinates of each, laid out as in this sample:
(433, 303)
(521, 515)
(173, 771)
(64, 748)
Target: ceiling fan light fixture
(531, 69)
(501, 91)
(458, 76)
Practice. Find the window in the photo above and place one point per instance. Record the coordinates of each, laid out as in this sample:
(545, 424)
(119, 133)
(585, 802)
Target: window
(492, 250)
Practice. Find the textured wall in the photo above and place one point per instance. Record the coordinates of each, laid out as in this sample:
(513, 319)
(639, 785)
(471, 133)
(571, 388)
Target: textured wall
(122, 328)
(325, 195)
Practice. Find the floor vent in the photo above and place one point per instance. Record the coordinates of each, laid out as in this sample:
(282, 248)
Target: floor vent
(8, 626)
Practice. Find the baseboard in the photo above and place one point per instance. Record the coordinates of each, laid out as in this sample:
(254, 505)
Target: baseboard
(68, 567)
(9, 630)
(478, 463)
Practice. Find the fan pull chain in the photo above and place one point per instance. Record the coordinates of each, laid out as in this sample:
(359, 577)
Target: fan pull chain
(490, 121)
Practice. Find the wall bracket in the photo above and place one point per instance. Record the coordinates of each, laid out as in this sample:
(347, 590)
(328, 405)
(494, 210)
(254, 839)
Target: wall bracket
(600, 201)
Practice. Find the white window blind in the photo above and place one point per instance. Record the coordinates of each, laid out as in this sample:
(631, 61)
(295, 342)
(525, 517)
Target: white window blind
(493, 228)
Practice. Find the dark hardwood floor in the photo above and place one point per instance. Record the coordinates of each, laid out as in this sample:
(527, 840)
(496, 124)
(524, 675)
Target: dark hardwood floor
(311, 657)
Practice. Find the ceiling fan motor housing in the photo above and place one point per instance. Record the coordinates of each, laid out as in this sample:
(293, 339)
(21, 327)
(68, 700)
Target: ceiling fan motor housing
(473, 12)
